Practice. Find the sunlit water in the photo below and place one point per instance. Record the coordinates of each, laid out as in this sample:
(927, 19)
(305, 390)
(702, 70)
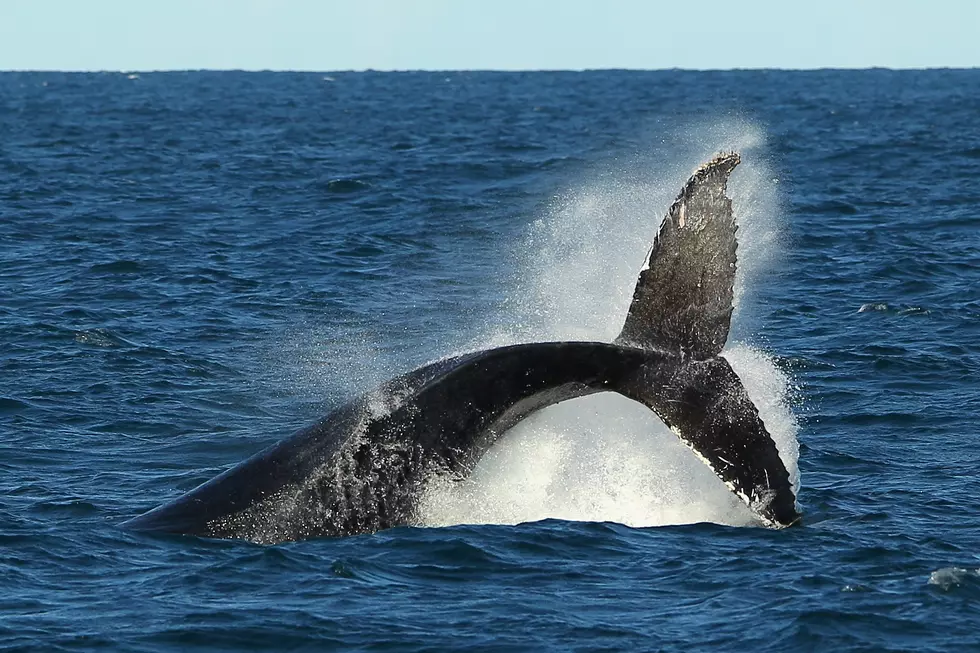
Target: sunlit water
(194, 265)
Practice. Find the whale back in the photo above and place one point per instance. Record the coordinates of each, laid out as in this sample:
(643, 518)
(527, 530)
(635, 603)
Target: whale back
(365, 466)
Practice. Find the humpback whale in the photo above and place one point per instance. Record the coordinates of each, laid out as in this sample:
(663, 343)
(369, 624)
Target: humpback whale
(365, 466)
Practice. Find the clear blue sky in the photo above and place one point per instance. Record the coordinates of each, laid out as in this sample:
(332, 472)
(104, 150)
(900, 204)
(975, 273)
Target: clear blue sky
(486, 34)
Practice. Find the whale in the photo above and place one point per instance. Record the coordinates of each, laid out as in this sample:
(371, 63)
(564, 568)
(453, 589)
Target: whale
(365, 466)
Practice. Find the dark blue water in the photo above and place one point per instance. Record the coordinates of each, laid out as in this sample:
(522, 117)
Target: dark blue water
(193, 265)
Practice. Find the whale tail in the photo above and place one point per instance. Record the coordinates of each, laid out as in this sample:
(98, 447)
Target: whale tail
(682, 305)
(683, 298)
(705, 404)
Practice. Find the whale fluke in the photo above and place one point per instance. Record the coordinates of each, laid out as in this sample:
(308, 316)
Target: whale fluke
(705, 404)
(683, 298)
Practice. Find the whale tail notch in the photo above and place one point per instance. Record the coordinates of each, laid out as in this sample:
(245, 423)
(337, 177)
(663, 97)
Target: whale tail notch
(683, 298)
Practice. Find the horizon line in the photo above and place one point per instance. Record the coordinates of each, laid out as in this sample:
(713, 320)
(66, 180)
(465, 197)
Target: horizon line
(481, 70)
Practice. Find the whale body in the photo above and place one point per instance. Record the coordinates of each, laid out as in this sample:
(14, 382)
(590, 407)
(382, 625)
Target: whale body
(365, 466)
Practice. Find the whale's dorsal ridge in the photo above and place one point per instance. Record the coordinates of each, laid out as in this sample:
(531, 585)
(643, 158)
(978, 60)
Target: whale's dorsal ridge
(683, 297)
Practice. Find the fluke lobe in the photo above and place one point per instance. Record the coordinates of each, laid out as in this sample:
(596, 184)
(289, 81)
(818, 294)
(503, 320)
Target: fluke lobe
(365, 466)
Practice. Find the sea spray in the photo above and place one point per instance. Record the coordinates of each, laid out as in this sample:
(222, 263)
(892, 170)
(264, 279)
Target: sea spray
(604, 457)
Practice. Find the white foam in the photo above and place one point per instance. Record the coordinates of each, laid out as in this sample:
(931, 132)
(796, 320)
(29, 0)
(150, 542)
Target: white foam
(604, 457)
(949, 577)
(600, 458)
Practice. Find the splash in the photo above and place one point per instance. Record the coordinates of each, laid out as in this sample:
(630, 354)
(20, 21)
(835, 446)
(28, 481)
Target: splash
(579, 260)
(950, 577)
(604, 457)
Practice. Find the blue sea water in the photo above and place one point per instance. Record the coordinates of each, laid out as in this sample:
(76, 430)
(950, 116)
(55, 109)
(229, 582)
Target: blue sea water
(194, 265)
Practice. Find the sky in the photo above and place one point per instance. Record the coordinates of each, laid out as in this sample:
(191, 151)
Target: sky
(328, 35)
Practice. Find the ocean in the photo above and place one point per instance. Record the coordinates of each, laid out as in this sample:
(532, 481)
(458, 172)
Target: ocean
(194, 265)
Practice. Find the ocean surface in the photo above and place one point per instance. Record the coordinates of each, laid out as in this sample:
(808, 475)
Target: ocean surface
(195, 265)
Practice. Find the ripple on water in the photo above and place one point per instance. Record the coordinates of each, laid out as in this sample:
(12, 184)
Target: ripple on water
(118, 267)
(9, 405)
(101, 338)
